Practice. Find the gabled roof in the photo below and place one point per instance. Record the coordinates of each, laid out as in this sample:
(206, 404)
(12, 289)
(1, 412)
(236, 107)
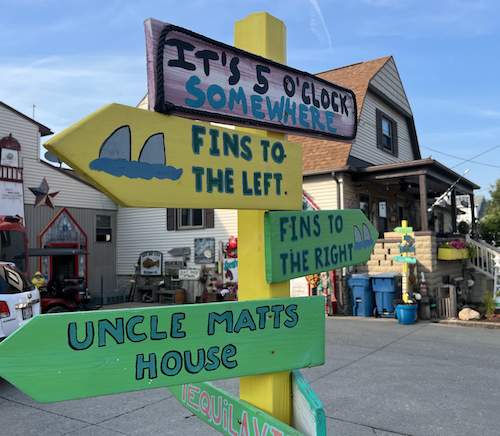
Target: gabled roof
(318, 154)
(44, 130)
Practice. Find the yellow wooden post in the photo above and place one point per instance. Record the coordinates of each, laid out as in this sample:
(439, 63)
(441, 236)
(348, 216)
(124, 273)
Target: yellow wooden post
(264, 35)
(404, 224)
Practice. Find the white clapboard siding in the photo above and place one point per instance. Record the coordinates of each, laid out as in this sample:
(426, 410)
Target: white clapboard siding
(322, 190)
(144, 229)
(72, 192)
(387, 81)
(365, 146)
(25, 131)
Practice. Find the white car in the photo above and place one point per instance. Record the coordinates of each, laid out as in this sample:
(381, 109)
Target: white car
(19, 299)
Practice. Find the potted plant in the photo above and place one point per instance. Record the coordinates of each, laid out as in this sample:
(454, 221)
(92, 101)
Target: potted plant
(406, 313)
(454, 250)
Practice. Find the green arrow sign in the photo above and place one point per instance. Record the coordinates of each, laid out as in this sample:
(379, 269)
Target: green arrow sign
(404, 229)
(87, 354)
(403, 259)
(309, 242)
(227, 413)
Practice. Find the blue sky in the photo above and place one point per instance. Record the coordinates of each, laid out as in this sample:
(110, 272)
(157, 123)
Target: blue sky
(69, 58)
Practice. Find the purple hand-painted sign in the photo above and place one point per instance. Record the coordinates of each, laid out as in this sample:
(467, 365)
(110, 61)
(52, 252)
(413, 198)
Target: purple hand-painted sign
(195, 77)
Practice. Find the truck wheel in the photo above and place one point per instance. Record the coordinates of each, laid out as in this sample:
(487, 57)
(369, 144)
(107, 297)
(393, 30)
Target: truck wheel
(57, 309)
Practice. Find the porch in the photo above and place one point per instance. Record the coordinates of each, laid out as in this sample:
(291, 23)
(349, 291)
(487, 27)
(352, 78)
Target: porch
(437, 272)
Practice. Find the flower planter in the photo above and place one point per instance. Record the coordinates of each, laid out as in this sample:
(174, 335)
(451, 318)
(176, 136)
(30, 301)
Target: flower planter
(452, 253)
(406, 313)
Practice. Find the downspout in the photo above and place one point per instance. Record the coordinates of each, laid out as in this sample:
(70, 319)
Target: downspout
(339, 181)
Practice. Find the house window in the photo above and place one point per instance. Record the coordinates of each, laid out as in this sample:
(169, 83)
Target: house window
(387, 133)
(103, 228)
(190, 219)
(382, 214)
(364, 204)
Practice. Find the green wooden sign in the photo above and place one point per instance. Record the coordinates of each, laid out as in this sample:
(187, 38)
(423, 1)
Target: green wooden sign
(227, 413)
(309, 242)
(406, 248)
(65, 356)
(308, 413)
(404, 229)
(407, 238)
(404, 259)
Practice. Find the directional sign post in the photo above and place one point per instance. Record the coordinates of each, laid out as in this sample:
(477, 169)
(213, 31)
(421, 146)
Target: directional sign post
(265, 36)
(309, 242)
(406, 246)
(133, 349)
(145, 159)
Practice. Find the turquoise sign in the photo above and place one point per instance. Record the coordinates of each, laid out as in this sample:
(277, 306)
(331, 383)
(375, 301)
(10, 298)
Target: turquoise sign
(405, 259)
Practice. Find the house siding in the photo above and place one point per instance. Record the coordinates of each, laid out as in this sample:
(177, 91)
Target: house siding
(365, 146)
(82, 201)
(145, 229)
(322, 190)
(388, 82)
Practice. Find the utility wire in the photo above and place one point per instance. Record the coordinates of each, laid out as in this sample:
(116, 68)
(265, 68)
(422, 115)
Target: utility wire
(480, 154)
(464, 160)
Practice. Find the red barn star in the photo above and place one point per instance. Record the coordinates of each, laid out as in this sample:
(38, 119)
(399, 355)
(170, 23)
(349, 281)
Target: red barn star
(44, 195)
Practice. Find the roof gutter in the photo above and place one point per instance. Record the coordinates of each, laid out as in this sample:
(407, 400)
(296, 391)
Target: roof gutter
(328, 171)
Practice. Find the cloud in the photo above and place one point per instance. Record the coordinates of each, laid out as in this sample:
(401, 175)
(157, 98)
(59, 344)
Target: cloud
(66, 89)
(318, 25)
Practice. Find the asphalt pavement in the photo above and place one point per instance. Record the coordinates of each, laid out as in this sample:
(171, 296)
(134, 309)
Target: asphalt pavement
(380, 378)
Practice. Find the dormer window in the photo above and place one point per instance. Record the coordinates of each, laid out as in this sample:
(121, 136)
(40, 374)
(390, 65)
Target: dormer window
(387, 133)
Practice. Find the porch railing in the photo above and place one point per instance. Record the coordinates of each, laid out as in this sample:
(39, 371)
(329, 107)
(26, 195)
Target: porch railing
(485, 254)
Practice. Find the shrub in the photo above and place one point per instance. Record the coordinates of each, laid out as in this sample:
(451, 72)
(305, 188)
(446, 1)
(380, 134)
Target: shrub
(489, 303)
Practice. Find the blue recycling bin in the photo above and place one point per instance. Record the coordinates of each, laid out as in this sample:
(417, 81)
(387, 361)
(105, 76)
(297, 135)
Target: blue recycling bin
(362, 299)
(386, 288)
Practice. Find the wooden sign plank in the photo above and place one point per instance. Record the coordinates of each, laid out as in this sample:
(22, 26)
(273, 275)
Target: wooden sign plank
(196, 77)
(307, 411)
(189, 274)
(227, 413)
(126, 350)
(408, 259)
(309, 242)
(145, 159)
(403, 229)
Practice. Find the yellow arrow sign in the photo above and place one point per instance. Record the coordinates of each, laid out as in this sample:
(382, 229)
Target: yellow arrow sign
(145, 159)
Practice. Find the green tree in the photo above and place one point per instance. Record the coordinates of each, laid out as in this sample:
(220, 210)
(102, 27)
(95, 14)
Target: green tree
(489, 227)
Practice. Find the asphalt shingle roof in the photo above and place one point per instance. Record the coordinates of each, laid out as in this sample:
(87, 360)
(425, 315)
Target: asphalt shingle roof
(320, 154)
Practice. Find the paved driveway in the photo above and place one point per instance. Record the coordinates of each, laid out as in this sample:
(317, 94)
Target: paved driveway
(380, 378)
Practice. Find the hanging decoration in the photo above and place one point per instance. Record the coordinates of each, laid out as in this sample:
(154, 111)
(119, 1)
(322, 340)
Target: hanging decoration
(44, 195)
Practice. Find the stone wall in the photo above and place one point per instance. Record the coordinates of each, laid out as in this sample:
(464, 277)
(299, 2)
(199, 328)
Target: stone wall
(437, 272)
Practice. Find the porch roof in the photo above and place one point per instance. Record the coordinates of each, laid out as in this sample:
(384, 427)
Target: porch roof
(406, 174)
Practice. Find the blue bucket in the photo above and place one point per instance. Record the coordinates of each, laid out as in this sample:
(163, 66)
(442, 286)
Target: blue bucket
(406, 314)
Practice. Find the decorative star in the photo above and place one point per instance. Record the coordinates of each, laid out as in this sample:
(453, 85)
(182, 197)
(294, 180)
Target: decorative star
(44, 195)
